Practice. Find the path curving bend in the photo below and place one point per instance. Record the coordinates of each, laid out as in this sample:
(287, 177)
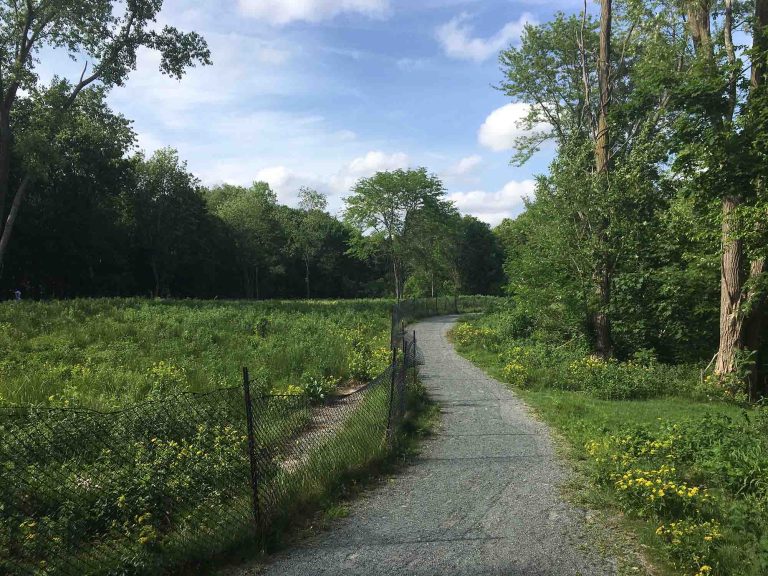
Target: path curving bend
(482, 497)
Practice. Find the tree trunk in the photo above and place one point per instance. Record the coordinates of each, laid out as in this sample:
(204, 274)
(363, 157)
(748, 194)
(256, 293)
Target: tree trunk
(247, 284)
(306, 275)
(737, 332)
(5, 161)
(699, 24)
(731, 291)
(156, 276)
(5, 237)
(753, 332)
(602, 275)
(397, 279)
(603, 344)
(256, 282)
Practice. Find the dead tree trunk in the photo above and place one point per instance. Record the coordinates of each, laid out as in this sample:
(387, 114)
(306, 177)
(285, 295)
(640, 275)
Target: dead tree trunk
(602, 276)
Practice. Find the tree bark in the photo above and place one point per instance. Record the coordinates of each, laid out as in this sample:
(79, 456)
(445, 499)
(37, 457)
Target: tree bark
(699, 24)
(397, 279)
(731, 291)
(156, 276)
(602, 274)
(7, 229)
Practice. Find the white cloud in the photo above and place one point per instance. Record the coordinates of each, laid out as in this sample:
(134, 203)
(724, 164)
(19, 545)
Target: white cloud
(493, 207)
(364, 166)
(282, 12)
(377, 161)
(455, 37)
(466, 165)
(504, 125)
(285, 183)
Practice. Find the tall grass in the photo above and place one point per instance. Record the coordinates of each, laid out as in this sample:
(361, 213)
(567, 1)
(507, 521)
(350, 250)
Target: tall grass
(109, 353)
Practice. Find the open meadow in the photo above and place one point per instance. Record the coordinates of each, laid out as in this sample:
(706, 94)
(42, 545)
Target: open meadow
(128, 445)
(109, 353)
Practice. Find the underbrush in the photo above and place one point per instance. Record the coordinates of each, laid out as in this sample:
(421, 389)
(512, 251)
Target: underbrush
(689, 470)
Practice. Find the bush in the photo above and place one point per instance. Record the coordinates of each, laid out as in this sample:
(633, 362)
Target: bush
(704, 482)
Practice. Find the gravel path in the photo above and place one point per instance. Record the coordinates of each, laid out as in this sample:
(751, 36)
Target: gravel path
(482, 498)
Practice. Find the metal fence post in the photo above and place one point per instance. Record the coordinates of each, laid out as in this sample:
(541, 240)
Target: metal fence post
(403, 382)
(251, 448)
(391, 395)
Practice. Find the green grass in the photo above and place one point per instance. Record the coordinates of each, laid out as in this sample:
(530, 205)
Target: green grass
(141, 488)
(110, 353)
(718, 447)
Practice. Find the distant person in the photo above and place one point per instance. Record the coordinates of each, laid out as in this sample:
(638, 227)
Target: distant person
(17, 294)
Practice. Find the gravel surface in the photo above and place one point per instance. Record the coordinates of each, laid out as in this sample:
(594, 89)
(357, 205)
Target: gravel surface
(482, 498)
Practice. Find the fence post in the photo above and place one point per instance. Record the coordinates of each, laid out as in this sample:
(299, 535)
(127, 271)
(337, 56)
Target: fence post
(391, 395)
(403, 378)
(251, 448)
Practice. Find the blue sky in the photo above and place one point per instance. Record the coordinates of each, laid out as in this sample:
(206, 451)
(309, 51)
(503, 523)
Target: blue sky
(322, 92)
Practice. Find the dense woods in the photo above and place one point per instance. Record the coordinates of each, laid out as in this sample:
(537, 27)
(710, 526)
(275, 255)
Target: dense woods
(107, 221)
(83, 214)
(648, 233)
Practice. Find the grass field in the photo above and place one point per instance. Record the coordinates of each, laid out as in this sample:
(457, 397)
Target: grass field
(123, 428)
(109, 353)
(688, 472)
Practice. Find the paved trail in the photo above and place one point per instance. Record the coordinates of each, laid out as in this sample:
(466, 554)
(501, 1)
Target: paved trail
(481, 499)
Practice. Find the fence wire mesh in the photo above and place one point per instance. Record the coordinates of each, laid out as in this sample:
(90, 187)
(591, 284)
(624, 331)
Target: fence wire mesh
(168, 483)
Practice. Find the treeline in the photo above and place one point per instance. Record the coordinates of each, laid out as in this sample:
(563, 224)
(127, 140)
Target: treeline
(649, 233)
(106, 221)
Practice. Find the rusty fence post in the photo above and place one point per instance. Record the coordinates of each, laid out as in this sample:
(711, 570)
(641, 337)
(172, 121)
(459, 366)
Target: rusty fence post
(251, 448)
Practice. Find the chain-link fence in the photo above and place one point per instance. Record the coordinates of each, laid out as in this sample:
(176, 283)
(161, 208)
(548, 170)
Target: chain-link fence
(171, 482)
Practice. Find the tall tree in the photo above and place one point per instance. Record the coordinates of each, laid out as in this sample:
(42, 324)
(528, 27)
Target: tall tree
(251, 215)
(306, 235)
(108, 34)
(72, 237)
(721, 153)
(168, 213)
(381, 206)
(602, 163)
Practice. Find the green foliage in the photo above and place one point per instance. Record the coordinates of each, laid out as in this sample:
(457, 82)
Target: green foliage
(400, 214)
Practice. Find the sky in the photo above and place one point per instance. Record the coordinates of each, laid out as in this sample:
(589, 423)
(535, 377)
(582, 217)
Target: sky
(323, 92)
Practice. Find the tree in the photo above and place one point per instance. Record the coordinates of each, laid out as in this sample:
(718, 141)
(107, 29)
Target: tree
(72, 237)
(251, 215)
(381, 206)
(602, 111)
(109, 35)
(169, 214)
(480, 258)
(721, 137)
(602, 163)
(307, 233)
